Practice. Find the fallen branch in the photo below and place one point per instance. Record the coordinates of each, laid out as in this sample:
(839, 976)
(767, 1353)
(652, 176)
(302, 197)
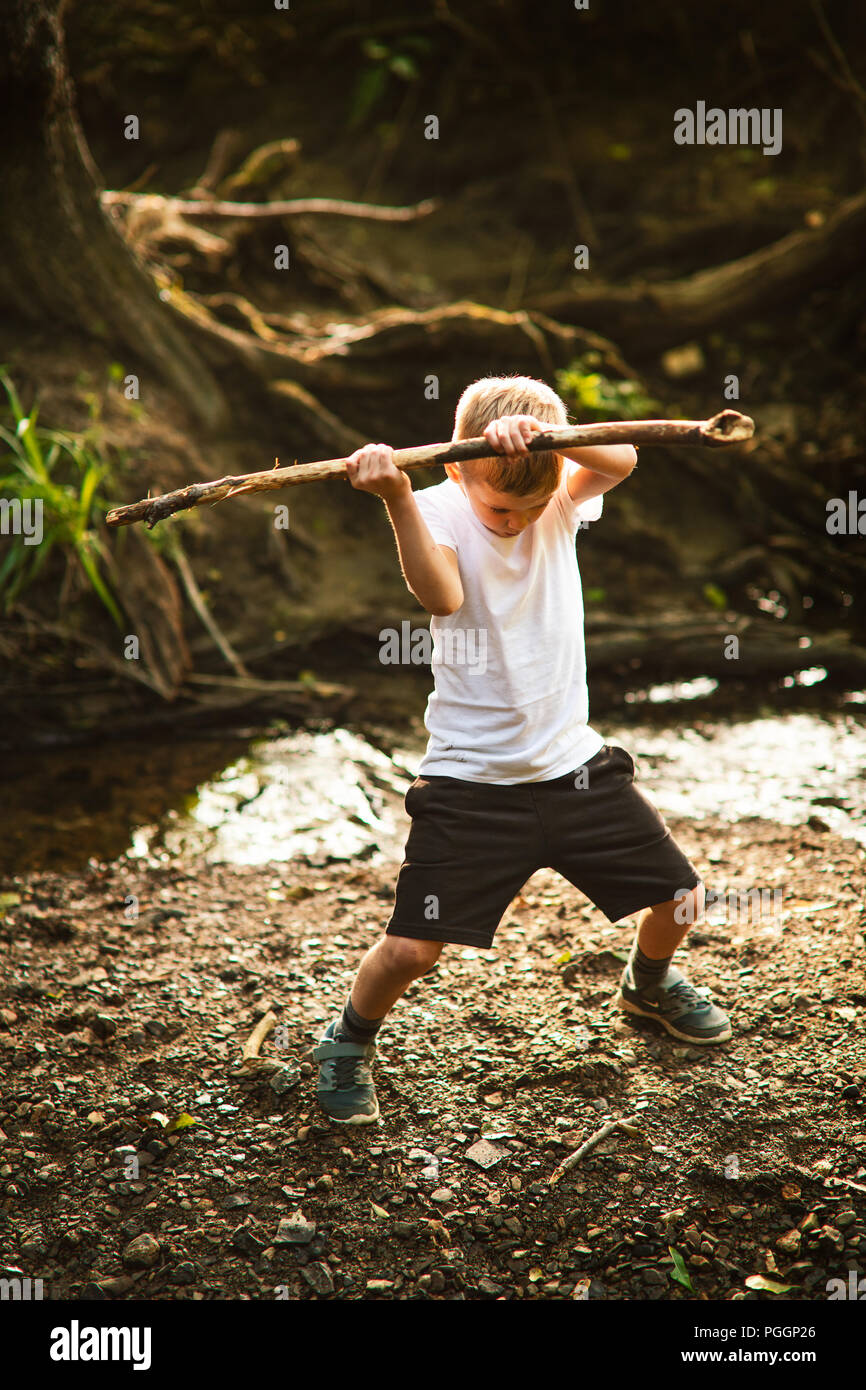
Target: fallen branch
(257, 1037)
(628, 1125)
(728, 427)
(661, 313)
(293, 207)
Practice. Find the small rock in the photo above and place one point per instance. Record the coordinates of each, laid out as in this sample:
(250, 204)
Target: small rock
(789, 1243)
(485, 1154)
(829, 1236)
(325, 1183)
(845, 1218)
(432, 1283)
(116, 1285)
(183, 1273)
(442, 1195)
(379, 1285)
(284, 1080)
(318, 1276)
(142, 1253)
(243, 1239)
(488, 1287)
(295, 1230)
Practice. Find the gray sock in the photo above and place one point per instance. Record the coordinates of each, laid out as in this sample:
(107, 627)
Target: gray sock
(646, 971)
(353, 1028)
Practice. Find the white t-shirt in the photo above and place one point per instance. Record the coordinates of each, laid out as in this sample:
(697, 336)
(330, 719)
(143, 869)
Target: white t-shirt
(510, 702)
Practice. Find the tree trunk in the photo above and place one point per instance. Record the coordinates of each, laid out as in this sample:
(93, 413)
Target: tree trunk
(64, 261)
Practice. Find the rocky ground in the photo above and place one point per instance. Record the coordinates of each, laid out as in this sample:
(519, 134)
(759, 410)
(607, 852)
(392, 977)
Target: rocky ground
(139, 1159)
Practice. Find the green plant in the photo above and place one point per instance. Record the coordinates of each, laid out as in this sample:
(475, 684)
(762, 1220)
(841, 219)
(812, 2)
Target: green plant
(384, 62)
(680, 1273)
(59, 473)
(595, 396)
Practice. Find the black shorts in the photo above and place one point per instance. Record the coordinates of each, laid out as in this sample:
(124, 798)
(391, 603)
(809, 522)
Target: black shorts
(473, 845)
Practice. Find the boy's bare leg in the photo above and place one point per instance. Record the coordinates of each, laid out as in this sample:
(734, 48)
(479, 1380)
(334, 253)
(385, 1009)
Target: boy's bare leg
(387, 971)
(662, 928)
(655, 988)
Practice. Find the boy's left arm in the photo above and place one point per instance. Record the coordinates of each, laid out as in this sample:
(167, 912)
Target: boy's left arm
(601, 468)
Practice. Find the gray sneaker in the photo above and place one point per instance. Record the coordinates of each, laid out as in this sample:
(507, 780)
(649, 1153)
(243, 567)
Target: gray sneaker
(345, 1089)
(677, 1006)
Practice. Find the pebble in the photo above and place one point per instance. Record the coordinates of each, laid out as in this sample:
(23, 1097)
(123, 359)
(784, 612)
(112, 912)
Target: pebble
(108, 1288)
(284, 1080)
(432, 1283)
(845, 1218)
(830, 1236)
(142, 1253)
(243, 1239)
(318, 1276)
(789, 1243)
(491, 1289)
(442, 1194)
(485, 1154)
(379, 1285)
(295, 1230)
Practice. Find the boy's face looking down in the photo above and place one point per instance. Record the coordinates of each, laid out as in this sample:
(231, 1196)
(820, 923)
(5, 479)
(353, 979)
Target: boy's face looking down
(501, 512)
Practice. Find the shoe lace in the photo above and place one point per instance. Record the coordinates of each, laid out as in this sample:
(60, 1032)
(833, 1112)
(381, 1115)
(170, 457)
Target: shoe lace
(686, 994)
(346, 1070)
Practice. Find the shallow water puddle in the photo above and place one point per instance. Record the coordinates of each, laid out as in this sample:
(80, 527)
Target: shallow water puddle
(327, 796)
(334, 795)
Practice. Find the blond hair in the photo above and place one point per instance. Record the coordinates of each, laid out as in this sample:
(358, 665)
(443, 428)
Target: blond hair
(490, 398)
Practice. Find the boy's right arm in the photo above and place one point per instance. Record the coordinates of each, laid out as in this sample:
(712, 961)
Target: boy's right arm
(431, 571)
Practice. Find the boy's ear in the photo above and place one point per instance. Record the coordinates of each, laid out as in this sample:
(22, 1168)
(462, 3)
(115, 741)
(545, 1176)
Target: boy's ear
(453, 471)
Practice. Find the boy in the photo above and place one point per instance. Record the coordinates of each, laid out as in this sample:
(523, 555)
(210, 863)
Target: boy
(513, 778)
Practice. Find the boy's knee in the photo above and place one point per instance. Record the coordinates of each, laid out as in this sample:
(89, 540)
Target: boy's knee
(412, 955)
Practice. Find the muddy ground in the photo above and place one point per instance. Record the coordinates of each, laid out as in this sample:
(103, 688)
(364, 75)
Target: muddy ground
(750, 1157)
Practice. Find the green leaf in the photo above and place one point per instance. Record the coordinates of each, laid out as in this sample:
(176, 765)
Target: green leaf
(403, 66)
(100, 588)
(760, 1281)
(680, 1274)
(716, 596)
(564, 958)
(182, 1121)
(369, 90)
(372, 48)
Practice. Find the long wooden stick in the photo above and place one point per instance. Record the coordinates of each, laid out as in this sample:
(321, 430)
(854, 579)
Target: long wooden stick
(728, 427)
